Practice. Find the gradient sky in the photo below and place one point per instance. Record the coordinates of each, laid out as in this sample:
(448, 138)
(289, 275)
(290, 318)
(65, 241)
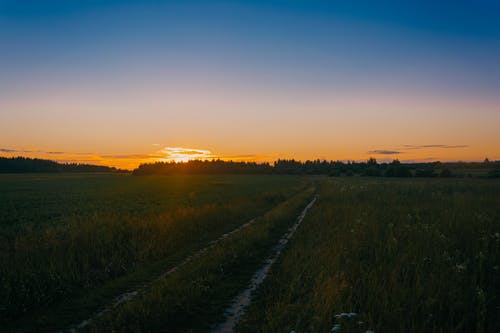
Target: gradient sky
(125, 82)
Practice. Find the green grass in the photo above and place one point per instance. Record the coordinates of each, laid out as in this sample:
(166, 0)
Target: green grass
(194, 298)
(406, 255)
(35, 201)
(71, 242)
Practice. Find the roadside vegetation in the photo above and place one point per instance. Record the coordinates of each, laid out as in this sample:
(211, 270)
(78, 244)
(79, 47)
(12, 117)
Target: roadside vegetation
(389, 256)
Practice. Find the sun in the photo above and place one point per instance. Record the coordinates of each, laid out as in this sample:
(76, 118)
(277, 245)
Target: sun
(181, 154)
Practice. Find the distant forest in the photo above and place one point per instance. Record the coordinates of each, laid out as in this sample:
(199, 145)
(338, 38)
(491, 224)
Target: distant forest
(25, 165)
(330, 168)
(486, 169)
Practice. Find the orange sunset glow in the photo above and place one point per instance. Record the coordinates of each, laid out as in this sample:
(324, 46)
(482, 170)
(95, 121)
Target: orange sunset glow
(328, 87)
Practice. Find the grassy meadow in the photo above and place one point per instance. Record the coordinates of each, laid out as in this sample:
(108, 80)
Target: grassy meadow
(404, 255)
(69, 243)
(194, 299)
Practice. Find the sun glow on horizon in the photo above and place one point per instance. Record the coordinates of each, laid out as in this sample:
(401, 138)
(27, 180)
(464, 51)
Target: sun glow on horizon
(180, 154)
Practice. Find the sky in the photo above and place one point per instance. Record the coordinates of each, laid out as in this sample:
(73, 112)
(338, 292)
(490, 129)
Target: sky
(127, 82)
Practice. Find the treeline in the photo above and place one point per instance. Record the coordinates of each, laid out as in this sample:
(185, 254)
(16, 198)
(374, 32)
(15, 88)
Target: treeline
(370, 168)
(318, 167)
(25, 165)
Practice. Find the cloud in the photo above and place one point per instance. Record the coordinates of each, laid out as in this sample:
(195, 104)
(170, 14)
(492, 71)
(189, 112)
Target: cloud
(180, 154)
(124, 161)
(85, 157)
(434, 146)
(401, 150)
(5, 150)
(193, 152)
(30, 150)
(384, 152)
(166, 154)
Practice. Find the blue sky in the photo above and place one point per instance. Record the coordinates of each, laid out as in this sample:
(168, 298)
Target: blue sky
(444, 41)
(102, 54)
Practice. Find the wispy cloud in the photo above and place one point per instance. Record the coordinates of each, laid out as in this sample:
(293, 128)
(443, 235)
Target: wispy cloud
(177, 154)
(434, 146)
(384, 152)
(26, 150)
(40, 151)
(119, 160)
(408, 148)
(180, 154)
(5, 150)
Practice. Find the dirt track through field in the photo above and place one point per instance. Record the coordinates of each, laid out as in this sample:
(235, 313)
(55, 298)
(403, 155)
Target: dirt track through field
(125, 297)
(241, 302)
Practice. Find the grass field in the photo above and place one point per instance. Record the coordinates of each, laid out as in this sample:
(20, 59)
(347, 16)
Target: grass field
(405, 255)
(71, 242)
(195, 297)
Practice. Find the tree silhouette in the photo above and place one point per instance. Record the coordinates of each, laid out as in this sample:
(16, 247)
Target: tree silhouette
(24, 165)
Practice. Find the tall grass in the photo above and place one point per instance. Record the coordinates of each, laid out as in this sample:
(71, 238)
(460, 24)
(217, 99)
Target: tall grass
(194, 297)
(405, 255)
(35, 201)
(40, 267)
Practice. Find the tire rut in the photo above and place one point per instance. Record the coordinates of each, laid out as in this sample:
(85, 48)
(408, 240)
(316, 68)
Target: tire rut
(240, 303)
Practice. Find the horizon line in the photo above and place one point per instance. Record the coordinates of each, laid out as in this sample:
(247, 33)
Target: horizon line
(346, 161)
